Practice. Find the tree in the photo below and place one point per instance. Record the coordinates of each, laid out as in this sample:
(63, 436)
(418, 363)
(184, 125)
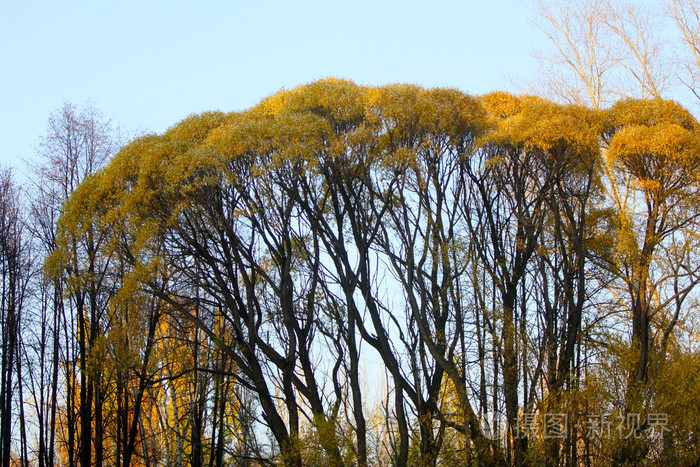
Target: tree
(654, 151)
(15, 270)
(651, 192)
(520, 182)
(77, 144)
(603, 50)
(686, 15)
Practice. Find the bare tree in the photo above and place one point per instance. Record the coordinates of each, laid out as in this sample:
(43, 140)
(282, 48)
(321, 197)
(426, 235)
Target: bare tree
(603, 50)
(77, 144)
(686, 15)
(14, 279)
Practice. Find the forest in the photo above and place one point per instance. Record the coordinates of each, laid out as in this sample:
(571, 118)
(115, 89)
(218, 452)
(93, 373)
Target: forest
(359, 275)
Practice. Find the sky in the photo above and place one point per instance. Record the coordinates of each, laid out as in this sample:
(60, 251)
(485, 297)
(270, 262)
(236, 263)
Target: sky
(146, 65)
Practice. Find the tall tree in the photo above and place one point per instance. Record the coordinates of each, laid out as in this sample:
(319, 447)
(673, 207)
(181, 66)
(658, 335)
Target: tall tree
(654, 148)
(77, 144)
(14, 279)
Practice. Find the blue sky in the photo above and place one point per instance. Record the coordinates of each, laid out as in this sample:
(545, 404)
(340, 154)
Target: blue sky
(147, 65)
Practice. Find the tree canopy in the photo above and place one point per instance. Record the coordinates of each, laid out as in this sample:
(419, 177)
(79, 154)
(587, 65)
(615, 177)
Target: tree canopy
(475, 248)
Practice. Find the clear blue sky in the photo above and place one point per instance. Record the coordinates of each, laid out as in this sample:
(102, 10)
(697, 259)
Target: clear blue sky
(148, 64)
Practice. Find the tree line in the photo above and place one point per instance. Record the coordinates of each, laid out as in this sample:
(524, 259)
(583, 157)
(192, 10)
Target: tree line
(358, 275)
(348, 275)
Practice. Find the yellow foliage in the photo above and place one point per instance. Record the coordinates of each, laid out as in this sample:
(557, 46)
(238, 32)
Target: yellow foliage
(633, 112)
(502, 105)
(338, 101)
(409, 112)
(196, 128)
(354, 130)
(651, 152)
(544, 126)
(268, 143)
(672, 395)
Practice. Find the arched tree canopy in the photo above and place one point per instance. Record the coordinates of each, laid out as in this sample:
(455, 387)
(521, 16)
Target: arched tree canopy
(333, 220)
